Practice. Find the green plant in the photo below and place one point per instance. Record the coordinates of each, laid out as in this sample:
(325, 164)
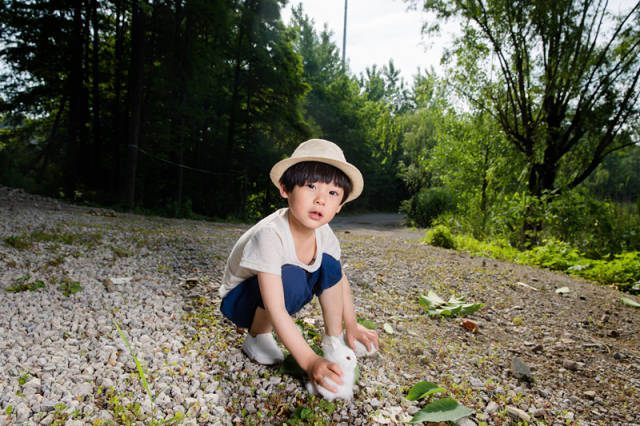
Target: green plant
(442, 410)
(69, 287)
(23, 284)
(18, 242)
(425, 206)
(440, 236)
(143, 379)
(454, 306)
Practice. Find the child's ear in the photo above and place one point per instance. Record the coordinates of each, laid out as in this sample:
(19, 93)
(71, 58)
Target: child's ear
(283, 192)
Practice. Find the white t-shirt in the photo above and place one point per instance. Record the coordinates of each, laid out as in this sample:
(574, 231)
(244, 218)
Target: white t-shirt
(268, 245)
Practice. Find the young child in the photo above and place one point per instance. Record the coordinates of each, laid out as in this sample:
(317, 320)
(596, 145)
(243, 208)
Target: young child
(279, 264)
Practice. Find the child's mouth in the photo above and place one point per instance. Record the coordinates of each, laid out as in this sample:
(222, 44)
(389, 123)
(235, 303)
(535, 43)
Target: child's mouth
(315, 215)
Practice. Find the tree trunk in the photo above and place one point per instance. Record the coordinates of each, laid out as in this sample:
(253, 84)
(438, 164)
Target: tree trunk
(95, 92)
(76, 113)
(118, 130)
(135, 98)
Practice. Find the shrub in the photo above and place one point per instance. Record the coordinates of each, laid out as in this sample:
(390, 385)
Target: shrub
(440, 236)
(425, 206)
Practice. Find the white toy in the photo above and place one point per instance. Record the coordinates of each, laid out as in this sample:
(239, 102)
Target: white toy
(336, 351)
(361, 349)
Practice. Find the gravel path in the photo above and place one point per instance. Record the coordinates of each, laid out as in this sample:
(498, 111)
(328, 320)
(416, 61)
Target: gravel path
(63, 360)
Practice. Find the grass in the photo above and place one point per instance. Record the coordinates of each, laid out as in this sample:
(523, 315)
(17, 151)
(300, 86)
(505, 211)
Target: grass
(622, 270)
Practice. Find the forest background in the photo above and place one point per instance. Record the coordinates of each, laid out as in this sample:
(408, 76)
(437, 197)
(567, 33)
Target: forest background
(529, 141)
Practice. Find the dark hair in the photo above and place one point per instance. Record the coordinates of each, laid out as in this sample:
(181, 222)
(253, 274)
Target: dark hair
(315, 171)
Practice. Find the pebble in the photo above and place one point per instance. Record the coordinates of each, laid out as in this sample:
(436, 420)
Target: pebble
(520, 369)
(518, 413)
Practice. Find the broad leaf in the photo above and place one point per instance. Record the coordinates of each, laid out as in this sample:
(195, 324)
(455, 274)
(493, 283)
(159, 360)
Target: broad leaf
(630, 302)
(422, 389)
(443, 410)
(431, 300)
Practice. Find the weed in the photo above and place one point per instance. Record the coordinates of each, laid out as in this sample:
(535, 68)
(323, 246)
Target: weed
(18, 242)
(69, 287)
(23, 284)
(120, 251)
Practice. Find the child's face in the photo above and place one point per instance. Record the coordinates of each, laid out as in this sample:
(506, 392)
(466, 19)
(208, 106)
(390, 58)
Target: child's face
(314, 204)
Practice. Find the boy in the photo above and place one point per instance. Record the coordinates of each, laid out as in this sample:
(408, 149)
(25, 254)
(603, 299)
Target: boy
(278, 265)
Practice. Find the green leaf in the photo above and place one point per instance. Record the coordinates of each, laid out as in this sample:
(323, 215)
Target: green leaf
(369, 324)
(422, 389)
(387, 328)
(443, 410)
(431, 300)
(290, 367)
(630, 302)
(563, 290)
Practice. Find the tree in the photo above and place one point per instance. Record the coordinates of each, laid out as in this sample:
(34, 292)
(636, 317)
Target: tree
(560, 76)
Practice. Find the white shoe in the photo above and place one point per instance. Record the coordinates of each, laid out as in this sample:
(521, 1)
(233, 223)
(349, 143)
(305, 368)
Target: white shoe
(262, 349)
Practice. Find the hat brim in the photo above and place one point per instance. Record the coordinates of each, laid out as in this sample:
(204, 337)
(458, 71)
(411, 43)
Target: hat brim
(352, 172)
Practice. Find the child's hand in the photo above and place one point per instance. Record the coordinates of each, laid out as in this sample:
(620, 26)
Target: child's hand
(369, 338)
(321, 369)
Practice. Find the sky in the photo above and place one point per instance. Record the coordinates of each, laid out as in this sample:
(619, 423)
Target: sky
(377, 30)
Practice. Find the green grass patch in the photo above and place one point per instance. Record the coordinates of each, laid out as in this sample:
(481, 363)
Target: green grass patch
(25, 284)
(622, 270)
(26, 241)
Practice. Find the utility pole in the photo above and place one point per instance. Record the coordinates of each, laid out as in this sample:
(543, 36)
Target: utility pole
(344, 37)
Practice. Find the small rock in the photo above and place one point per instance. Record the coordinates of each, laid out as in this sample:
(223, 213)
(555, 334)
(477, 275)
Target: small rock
(48, 405)
(520, 369)
(81, 390)
(476, 383)
(589, 394)
(538, 413)
(518, 414)
(570, 365)
(491, 407)
(466, 421)
(22, 412)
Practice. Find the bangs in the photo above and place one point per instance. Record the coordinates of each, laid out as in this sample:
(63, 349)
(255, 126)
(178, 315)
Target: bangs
(314, 171)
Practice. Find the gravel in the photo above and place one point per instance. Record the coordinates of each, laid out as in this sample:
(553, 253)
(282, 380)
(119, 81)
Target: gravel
(64, 361)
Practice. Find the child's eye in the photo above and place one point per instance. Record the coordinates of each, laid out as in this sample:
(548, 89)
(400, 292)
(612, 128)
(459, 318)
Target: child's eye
(334, 193)
(311, 186)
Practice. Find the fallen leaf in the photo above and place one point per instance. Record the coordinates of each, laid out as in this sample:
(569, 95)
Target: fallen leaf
(630, 302)
(387, 328)
(469, 325)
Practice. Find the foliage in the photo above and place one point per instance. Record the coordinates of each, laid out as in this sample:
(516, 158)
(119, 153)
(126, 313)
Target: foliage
(440, 236)
(560, 85)
(69, 287)
(623, 270)
(435, 305)
(25, 284)
(425, 207)
(442, 410)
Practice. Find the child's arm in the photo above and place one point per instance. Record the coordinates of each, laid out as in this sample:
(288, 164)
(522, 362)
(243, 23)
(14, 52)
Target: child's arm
(316, 367)
(353, 330)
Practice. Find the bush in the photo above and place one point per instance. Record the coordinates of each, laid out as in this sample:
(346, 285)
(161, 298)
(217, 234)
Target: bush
(440, 236)
(425, 206)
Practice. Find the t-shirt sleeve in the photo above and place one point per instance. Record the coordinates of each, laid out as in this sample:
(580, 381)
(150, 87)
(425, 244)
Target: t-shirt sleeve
(331, 245)
(263, 252)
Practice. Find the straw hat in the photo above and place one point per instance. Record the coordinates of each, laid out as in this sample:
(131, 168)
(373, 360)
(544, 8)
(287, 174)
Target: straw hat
(324, 152)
